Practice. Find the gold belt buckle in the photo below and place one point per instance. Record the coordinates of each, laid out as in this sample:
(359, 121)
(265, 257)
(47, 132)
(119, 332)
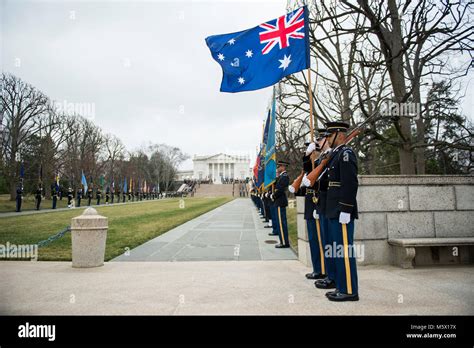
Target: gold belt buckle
(315, 199)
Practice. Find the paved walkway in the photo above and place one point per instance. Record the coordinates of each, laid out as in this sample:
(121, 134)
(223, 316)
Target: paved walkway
(233, 231)
(225, 287)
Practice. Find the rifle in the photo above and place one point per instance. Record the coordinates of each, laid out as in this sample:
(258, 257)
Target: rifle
(327, 155)
(297, 182)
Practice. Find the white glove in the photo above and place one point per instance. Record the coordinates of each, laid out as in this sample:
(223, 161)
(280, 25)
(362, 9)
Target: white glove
(315, 214)
(305, 181)
(326, 152)
(291, 189)
(310, 149)
(344, 218)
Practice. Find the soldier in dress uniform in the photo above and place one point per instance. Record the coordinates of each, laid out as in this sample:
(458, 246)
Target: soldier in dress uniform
(54, 195)
(79, 196)
(19, 197)
(281, 202)
(89, 195)
(313, 222)
(341, 211)
(70, 197)
(118, 194)
(112, 194)
(98, 195)
(39, 196)
(107, 195)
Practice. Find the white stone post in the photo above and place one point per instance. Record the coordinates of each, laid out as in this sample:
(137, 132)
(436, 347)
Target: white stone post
(304, 254)
(89, 234)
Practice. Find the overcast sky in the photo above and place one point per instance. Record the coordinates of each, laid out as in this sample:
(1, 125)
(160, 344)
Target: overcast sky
(144, 66)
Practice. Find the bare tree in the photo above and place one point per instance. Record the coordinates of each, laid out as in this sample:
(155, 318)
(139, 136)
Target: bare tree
(23, 107)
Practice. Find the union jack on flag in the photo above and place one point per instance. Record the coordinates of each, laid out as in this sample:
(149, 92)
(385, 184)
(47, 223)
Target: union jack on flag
(249, 59)
(286, 27)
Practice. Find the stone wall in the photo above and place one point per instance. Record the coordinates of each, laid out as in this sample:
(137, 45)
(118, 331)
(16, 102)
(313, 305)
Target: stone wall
(399, 206)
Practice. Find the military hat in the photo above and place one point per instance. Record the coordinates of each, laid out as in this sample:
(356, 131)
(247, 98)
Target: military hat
(322, 132)
(283, 163)
(332, 127)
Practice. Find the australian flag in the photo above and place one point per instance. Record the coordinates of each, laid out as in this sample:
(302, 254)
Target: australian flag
(262, 56)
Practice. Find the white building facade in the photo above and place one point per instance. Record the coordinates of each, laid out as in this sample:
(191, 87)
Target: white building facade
(218, 167)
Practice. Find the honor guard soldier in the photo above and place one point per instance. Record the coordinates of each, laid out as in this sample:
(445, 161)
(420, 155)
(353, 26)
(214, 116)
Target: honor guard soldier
(54, 195)
(341, 210)
(79, 196)
(70, 197)
(39, 196)
(313, 223)
(89, 195)
(330, 281)
(119, 199)
(107, 195)
(273, 221)
(19, 197)
(281, 202)
(98, 195)
(112, 193)
(130, 195)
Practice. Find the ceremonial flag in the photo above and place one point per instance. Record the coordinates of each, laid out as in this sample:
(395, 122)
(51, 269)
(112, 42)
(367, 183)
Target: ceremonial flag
(57, 181)
(131, 185)
(102, 181)
(125, 185)
(84, 181)
(261, 155)
(261, 56)
(270, 154)
(255, 168)
(22, 171)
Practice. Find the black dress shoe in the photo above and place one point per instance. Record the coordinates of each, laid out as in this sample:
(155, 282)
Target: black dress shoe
(340, 297)
(331, 292)
(321, 284)
(273, 234)
(314, 275)
(281, 246)
(267, 226)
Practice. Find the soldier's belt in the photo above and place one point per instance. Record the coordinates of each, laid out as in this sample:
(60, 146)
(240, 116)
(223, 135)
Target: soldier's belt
(311, 191)
(334, 184)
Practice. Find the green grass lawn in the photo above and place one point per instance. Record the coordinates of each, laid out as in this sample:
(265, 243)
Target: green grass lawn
(29, 203)
(292, 232)
(129, 225)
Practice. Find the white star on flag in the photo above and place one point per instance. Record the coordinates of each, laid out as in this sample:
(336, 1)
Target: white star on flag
(232, 41)
(285, 62)
(249, 54)
(220, 56)
(241, 80)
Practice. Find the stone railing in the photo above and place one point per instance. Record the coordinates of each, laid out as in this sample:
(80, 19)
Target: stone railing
(399, 206)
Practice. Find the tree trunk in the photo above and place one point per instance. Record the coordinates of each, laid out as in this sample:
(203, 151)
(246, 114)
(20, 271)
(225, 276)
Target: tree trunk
(395, 67)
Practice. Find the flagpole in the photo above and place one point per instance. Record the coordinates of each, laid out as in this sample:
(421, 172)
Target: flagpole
(311, 117)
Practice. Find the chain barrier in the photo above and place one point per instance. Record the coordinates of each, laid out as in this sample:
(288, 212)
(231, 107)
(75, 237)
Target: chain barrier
(54, 237)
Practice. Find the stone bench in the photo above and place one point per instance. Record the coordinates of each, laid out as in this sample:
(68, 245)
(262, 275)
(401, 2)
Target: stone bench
(404, 251)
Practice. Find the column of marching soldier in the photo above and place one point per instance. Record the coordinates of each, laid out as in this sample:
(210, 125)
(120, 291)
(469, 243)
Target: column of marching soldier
(110, 194)
(330, 211)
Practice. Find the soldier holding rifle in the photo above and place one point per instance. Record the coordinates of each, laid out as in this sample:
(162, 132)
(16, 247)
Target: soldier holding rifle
(340, 209)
